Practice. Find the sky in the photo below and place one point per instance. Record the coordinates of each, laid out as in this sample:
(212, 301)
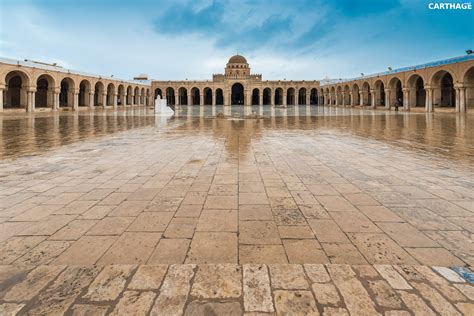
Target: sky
(281, 39)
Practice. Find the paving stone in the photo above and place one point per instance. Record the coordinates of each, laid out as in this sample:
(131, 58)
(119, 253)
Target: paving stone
(148, 277)
(129, 208)
(440, 304)
(467, 290)
(189, 210)
(256, 289)
(44, 253)
(393, 278)
(441, 284)
(221, 202)
(111, 226)
(379, 213)
(213, 247)
(170, 251)
(174, 291)
(343, 253)
(327, 230)
(304, 251)
(354, 222)
(439, 256)
(74, 230)
(255, 213)
(213, 308)
(385, 296)
(86, 251)
(60, 295)
(34, 282)
(325, 293)
(217, 281)
(262, 253)
(288, 277)
(295, 303)
(449, 274)
(131, 248)
(406, 235)
(181, 228)
(335, 311)
(89, 309)
(15, 247)
(110, 282)
(134, 303)
(316, 273)
(258, 233)
(466, 308)
(355, 296)
(217, 221)
(10, 308)
(151, 222)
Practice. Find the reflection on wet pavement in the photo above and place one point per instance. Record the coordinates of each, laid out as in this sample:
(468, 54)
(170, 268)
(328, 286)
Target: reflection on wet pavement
(443, 135)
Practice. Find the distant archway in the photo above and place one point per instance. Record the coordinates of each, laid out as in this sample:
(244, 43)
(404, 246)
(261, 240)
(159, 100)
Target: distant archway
(267, 96)
(182, 96)
(99, 92)
(302, 96)
(195, 95)
(255, 97)
(219, 97)
(66, 94)
(84, 92)
(237, 96)
(207, 96)
(16, 95)
(290, 96)
(278, 96)
(170, 97)
(44, 96)
(313, 96)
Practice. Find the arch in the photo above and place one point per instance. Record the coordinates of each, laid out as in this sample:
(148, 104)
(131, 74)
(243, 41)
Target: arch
(396, 91)
(182, 96)
(66, 94)
(99, 93)
(366, 94)
(142, 96)
(267, 96)
(110, 94)
(468, 81)
(147, 98)
(121, 95)
(207, 96)
(44, 96)
(237, 94)
(278, 96)
(290, 96)
(16, 85)
(313, 96)
(170, 96)
(417, 93)
(443, 89)
(158, 92)
(84, 92)
(136, 95)
(379, 93)
(219, 96)
(302, 96)
(255, 96)
(339, 96)
(346, 100)
(356, 94)
(195, 96)
(128, 97)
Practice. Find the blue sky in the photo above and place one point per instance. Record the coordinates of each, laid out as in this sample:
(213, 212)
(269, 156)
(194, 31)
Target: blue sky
(178, 39)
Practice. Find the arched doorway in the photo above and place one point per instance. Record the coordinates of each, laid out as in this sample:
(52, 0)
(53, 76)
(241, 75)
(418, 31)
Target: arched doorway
(367, 96)
(121, 95)
(313, 96)
(468, 81)
(16, 95)
(110, 94)
(302, 96)
(99, 92)
(278, 96)
(417, 93)
(255, 96)
(267, 96)
(207, 96)
(237, 96)
(290, 96)
(448, 94)
(136, 96)
(66, 94)
(356, 94)
(84, 90)
(379, 93)
(170, 97)
(182, 96)
(44, 92)
(219, 97)
(128, 97)
(158, 92)
(195, 96)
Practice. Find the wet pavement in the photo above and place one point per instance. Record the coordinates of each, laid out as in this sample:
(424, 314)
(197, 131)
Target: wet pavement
(259, 186)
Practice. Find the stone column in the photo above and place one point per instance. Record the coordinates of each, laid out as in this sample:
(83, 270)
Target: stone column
(372, 96)
(387, 99)
(75, 101)
(283, 96)
(429, 99)
(260, 98)
(307, 97)
(406, 99)
(91, 100)
(201, 98)
(30, 101)
(351, 95)
(361, 98)
(214, 98)
(1, 98)
(114, 103)
(190, 100)
(462, 100)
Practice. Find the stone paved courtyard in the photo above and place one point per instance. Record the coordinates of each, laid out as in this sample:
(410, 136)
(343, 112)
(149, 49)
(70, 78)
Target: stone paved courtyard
(201, 214)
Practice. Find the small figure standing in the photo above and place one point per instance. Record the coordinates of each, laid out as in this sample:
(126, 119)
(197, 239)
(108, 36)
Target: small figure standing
(398, 103)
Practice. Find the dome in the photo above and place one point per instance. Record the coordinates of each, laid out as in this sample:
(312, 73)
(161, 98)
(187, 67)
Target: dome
(237, 59)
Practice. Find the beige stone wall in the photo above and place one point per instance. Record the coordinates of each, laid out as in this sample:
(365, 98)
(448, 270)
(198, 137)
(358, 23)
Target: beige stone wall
(32, 88)
(424, 88)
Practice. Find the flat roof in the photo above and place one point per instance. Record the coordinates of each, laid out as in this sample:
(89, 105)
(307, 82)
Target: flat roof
(398, 70)
(45, 66)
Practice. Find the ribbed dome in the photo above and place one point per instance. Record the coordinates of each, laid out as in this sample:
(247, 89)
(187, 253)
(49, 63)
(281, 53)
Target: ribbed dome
(237, 59)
